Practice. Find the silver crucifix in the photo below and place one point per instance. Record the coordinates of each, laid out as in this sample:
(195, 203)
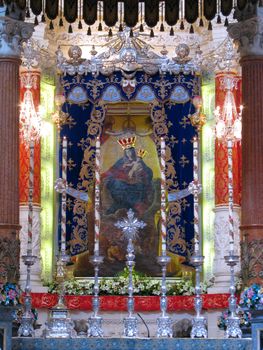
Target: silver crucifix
(175, 196)
(130, 228)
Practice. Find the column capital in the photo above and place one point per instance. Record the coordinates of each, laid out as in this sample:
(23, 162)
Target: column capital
(248, 32)
(12, 34)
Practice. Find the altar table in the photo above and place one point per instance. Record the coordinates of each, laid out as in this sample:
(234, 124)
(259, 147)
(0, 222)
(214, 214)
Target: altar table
(130, 344)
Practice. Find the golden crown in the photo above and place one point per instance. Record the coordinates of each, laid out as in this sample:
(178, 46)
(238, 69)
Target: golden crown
(127, 142)
(141, 153)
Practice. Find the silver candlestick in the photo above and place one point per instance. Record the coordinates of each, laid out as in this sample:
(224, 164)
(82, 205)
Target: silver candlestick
(62, 260)
(233, 322)
(130, 229)
(164, 322)
(59, 324)
(228, 131)
(26, 328)
(130, 322)
(199, 322)
(95, 321)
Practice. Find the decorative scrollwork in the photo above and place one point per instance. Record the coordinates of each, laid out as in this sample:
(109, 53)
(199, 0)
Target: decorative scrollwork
(9, 258)
(252, 259)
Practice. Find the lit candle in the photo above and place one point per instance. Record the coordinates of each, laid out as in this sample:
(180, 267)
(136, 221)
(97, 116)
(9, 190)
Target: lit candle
(230, 195)
(163, 197)
(97, 199)
(196, 193)
(64, 196)
(30, 197)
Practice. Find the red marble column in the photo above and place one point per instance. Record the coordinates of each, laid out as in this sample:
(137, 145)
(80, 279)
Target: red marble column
(252, 168)
(221, 165)
(246, 34)
(24, 151)
(9, 167)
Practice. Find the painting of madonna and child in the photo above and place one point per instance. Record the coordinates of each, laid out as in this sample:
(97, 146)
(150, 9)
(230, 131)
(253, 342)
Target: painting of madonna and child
(130, 178)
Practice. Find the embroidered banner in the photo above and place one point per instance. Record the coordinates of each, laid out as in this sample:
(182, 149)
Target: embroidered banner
(112, 107)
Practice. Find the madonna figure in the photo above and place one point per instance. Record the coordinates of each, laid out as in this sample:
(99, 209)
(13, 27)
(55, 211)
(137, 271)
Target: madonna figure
(129, 180)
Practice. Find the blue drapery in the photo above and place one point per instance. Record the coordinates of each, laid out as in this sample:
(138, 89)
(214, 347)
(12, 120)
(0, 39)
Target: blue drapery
(170, 97)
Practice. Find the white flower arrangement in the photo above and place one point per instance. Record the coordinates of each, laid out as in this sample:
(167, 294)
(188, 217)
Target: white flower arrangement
(119, 286)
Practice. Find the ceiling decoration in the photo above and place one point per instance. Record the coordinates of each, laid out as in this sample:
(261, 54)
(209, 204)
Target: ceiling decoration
(126, 12)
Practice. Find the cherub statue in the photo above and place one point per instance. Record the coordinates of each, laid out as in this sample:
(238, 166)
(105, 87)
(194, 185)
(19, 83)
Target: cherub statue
(75, 54)
(182, 51)
(128, 59)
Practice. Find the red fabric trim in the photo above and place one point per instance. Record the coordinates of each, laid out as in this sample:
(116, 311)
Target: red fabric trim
(142, 303)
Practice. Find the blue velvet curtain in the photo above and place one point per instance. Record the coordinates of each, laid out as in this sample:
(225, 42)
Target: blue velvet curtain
(170, 98)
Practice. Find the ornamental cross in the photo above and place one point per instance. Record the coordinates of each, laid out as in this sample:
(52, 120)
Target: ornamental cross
(130, 226)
